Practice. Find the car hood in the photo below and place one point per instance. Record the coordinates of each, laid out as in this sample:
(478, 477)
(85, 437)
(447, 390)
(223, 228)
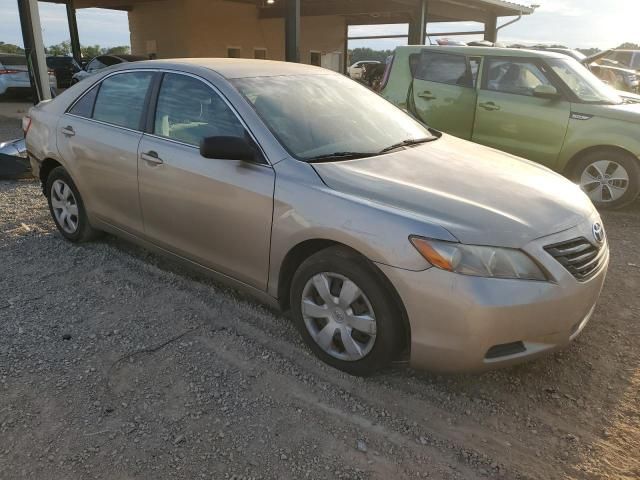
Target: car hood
(480, 195)
(626, 112)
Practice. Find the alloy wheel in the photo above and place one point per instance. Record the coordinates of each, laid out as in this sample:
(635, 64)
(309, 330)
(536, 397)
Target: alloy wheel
(65, 206)
(604, 181)
(339, 316)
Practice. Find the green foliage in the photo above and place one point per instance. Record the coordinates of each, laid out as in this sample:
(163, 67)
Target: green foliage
(358, 54)
(90, 51)
(589, 51)
(629, 46)
(10, 48)
(121, 50)
(61, 49)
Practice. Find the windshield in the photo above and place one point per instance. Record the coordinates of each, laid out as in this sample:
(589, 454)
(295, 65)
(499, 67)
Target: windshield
(587, 87)
(316, 115)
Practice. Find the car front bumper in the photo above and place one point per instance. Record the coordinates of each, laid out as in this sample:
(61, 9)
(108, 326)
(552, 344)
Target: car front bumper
(462, 323)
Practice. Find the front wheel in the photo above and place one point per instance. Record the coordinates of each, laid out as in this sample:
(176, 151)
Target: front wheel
(611, 179)
(344, 312)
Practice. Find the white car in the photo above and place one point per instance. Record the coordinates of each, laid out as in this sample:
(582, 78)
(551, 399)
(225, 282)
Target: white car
(356, 71)
(14, 74)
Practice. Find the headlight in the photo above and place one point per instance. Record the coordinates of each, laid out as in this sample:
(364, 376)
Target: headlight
(478, 261)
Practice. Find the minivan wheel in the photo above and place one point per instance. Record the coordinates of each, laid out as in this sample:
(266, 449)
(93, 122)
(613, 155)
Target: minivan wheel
(344, 313)
(610, 178)
(67, 208)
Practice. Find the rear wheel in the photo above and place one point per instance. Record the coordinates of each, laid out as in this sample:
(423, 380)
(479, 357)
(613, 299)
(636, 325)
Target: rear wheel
(610, 178)
(67, 208)
(344, 313)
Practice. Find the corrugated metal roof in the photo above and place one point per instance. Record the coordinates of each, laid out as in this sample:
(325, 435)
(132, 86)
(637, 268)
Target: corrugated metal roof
(509, 5)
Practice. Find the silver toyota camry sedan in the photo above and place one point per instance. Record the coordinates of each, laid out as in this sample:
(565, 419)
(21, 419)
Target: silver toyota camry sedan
(385, 239)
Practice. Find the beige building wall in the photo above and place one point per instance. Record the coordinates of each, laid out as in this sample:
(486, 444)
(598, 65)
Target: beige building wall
(207, 28)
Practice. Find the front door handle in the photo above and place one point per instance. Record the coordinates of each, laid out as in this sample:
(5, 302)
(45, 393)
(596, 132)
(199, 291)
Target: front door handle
(489, 106)
(427, 95)
(151, 157)
(68, 131)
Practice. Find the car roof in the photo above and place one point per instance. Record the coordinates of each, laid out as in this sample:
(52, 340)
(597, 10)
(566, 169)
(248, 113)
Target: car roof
(238, 67)
(127, 57)
(485, 51)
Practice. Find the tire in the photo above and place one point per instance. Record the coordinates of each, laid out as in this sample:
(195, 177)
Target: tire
(358, 351)
(610, 178)
(63, 198)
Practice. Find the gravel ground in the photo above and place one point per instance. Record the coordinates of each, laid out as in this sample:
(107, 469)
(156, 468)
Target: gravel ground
(117, 364)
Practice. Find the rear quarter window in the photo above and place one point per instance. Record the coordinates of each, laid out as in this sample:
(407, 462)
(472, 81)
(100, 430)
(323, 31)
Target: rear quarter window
(444, 68)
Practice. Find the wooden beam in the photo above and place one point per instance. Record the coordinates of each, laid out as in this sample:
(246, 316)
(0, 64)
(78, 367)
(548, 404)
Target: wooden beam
(341, 7)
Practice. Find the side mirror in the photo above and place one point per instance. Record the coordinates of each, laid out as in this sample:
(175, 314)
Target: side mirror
(228, 148)
(546, 91)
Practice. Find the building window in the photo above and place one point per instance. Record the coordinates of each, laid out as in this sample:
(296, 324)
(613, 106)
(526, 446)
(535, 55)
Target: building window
(316, 59)
(260, 53)
(234, 52)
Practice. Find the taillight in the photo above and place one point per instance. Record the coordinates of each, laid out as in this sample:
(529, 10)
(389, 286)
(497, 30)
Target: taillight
(26, 124)
(9, 72)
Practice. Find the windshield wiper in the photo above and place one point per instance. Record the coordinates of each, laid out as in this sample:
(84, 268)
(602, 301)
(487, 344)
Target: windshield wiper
(329, 157)
(408, 143)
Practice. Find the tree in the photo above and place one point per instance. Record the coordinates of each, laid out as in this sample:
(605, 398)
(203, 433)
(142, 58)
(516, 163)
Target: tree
(10, 48)
(358, 54)
(61, 49)
(629, 46)
(90, 51)
(121, 50)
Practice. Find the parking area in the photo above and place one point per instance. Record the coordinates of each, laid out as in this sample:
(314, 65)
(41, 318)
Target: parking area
(115, 363)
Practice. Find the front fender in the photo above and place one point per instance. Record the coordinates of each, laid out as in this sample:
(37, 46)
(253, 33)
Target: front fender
(598, 132)
(306, 209)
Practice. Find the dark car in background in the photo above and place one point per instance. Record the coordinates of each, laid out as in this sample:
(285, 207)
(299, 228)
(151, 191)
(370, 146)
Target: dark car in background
(104, 61)
(64, 68)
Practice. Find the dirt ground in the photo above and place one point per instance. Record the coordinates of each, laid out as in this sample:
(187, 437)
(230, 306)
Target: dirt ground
(116, 364)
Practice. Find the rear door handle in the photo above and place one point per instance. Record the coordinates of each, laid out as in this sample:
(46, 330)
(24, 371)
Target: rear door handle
(68, 131)
(151, 157)
(427, 95)
(489, 106)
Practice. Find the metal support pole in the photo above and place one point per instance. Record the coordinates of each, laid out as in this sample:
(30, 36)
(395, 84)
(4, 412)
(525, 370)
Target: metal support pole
(418, 25)
(34, 49)
(292, 31)
(73, 31)
(422, 19)
(491, 29)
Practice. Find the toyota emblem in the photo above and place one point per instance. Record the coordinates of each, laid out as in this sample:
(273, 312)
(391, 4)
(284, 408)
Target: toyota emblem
(598, 232)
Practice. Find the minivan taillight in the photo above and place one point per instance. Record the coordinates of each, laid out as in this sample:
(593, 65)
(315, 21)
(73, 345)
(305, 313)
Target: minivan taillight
(26, 124)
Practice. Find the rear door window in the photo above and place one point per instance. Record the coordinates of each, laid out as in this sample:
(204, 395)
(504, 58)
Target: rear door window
(444, 68)
(121, 99)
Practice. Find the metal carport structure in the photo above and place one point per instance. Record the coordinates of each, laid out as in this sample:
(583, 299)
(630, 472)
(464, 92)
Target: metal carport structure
(415, 13)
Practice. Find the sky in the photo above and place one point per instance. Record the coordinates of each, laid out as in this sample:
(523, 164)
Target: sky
(575, 23)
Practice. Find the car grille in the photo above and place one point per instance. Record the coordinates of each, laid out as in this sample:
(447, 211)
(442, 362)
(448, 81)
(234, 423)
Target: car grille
(579, 256)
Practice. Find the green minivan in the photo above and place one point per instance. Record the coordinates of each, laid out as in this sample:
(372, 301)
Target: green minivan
(542, 106)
